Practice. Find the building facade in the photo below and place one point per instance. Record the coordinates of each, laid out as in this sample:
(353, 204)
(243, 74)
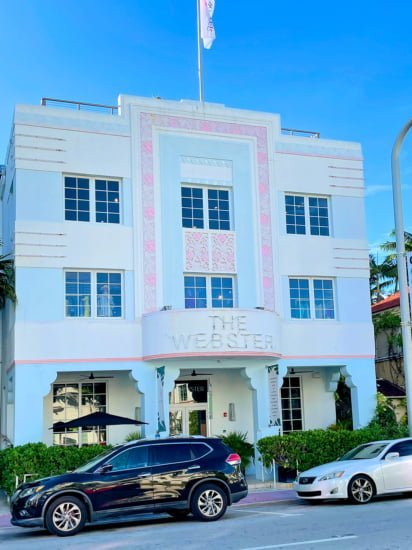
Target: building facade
(388, 340)
(186, 264)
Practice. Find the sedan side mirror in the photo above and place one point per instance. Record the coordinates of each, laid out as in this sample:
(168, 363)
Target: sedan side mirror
(391, 456)
(105, 468)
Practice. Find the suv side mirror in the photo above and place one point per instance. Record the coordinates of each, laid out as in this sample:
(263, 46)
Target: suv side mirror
(105, 468)
(391, 456)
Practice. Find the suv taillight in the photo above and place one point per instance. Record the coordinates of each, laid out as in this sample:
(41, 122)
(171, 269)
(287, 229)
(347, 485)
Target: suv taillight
(233, 459)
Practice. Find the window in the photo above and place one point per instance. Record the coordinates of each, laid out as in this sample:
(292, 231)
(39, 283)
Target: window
(137, 457)
(291, 396)
(78, 294)
(205, 208)
(73, 400)
(299, 298)
(305, 211)
(311, 299)
(107, 201)
(93, 294)
(109, 294)
(206, 291)
(404, 448)
(318, 216)
(77, 199)
(171, 453)
(295, 215)
(78, 206)
(323, 298)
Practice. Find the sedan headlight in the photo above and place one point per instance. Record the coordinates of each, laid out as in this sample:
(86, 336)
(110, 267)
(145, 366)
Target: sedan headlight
(332, 475)
(30, 491)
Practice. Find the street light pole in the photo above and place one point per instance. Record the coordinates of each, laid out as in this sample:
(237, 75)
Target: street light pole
(402, 271)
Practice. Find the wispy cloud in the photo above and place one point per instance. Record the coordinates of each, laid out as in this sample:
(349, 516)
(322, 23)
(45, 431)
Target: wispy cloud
(372, 190)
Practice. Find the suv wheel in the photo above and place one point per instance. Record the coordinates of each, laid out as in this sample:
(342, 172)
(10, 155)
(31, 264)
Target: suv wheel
(65, 516)
(209, 502)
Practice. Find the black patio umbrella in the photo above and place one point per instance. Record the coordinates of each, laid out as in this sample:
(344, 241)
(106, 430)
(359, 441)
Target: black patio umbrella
(96, 419)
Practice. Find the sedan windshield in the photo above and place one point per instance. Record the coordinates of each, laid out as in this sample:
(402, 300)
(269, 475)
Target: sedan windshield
(368, 450)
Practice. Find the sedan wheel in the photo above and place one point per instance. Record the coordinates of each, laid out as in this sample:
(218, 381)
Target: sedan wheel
(209, 502)
(66, 516)
(361, 490)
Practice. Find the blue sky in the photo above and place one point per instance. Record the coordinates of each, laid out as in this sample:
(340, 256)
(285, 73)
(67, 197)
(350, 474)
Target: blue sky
(342, 69)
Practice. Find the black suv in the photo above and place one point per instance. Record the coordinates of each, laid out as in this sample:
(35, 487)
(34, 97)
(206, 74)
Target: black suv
(200, 475)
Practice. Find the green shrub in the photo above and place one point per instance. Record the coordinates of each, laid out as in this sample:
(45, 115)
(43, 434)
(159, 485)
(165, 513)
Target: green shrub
(43, 461)
(237, 441)
(304, 450)
(384, 416)
(132, 436)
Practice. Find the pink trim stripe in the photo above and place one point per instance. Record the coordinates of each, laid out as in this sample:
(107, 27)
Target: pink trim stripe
(182, 355)
(328, 357)
(213, 354)
(81, 360)
(317, 155)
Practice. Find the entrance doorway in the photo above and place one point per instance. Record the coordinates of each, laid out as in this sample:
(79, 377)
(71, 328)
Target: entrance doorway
(188, 409)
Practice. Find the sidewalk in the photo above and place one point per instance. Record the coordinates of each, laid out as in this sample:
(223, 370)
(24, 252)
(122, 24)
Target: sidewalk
(258, 493)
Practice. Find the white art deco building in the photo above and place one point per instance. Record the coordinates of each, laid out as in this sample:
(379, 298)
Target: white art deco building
(186, 264)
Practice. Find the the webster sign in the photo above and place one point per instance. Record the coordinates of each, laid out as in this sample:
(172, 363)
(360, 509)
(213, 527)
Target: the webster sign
(231, 332)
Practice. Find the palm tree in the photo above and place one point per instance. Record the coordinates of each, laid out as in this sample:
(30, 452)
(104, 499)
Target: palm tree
(7, 288)
(390, 268)
(379, 278)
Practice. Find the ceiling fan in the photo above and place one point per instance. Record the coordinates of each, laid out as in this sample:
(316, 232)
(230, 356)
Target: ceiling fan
(194, 373)
(293, 371)
(93, 377)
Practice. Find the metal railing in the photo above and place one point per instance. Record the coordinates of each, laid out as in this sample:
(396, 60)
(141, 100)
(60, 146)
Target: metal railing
(301, 133)
(78, 105)
(113, 109)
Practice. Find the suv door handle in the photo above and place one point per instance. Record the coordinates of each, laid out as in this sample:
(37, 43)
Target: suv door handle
(194, 467)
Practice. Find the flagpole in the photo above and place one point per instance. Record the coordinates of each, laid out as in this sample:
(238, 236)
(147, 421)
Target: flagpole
(199, 55)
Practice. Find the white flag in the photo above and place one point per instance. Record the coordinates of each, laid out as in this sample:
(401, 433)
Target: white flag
(207, 29)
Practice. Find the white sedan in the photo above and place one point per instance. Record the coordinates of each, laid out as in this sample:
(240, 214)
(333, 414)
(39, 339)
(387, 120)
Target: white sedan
(376, 468)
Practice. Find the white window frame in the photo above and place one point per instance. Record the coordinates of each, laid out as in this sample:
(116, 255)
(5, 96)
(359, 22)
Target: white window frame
(306, 208)
(289, 376)
(209, 278)
(312, 316)
(205, 204)
(92, 198)
(77, 433)
(93, 295)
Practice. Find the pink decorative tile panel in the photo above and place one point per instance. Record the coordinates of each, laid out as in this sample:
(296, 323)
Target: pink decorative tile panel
(196, 251)
(223, 252)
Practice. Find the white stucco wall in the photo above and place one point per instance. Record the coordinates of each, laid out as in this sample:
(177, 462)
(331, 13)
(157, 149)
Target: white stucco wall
(151, 147)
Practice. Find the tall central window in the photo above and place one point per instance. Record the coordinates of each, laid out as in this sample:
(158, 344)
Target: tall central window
(205, 208)
(205, 291)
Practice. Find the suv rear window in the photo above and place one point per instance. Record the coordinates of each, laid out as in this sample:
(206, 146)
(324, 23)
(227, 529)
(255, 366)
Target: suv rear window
(169, 453)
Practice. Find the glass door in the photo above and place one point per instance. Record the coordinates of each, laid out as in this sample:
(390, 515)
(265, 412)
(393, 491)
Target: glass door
(188, 408)
(188, 420)
(197, 423)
